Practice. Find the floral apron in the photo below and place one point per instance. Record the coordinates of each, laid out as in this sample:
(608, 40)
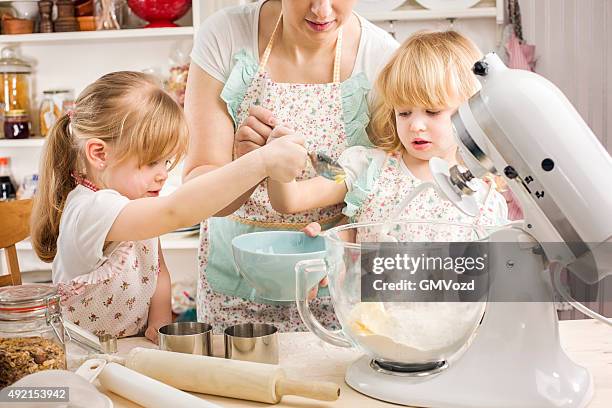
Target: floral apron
(115, 297)
(312, 110)
(393, 184)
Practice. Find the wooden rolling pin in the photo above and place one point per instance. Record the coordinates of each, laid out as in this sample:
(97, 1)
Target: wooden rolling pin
(146, 391)
(227, 378)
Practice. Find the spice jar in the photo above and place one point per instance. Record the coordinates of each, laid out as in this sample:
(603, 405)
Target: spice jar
(31, 331)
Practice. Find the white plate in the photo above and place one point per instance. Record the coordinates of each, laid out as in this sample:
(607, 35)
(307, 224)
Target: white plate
(371, 6)
(447, 4)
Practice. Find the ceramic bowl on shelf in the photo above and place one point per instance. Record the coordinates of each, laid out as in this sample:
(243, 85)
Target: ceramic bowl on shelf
(17, 26)
(160, 13)
(25, 9)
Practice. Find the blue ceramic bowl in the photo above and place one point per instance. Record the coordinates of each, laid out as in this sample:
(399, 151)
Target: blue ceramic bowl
(267, 261)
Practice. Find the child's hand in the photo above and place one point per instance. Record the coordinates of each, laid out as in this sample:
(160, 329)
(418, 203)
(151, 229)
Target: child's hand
(515, 212)
(312, 230)
(151, 334)
(151, 331)
(284, 158)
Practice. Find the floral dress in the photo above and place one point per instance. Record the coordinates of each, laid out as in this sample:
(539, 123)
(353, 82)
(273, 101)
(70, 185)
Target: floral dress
(379, 182)
(114, 297)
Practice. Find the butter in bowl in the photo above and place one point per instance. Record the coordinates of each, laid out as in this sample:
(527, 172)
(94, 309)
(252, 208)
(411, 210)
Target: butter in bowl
(267, 261)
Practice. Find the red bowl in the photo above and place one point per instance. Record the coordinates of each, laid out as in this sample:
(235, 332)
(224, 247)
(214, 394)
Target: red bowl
(160, 13)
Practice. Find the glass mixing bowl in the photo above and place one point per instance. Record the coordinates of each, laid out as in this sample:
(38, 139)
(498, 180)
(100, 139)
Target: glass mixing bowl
(412, 333)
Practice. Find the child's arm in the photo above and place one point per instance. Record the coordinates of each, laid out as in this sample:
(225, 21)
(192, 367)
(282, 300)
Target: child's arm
(160, 310)
(297, 196)
(204, 195)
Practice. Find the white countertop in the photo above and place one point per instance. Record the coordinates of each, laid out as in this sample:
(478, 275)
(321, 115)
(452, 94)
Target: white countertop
(304, 356)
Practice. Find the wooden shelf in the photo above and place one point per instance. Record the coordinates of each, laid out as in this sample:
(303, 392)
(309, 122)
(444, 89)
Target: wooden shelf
(134, 33)
(424, 14)
(31, 142)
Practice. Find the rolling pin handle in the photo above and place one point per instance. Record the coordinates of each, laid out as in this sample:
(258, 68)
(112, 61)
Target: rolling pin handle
(319, 390)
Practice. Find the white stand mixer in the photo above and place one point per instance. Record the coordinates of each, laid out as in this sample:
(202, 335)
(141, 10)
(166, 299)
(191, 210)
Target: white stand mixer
(521, 127)
(515, 359)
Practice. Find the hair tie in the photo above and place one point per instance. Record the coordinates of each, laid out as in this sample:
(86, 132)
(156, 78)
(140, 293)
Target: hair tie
(70, 114)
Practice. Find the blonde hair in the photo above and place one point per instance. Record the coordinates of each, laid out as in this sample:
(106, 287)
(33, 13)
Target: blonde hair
(432, 69)
(126, 109)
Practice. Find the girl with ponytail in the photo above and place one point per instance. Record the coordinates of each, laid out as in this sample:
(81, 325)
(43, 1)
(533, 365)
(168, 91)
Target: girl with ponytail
(98, 214)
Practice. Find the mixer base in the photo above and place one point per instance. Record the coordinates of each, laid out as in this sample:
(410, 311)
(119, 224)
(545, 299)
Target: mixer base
(514, 360)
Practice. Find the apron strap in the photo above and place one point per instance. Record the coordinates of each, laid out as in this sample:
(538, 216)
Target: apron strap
(266, 55)
(337, 58)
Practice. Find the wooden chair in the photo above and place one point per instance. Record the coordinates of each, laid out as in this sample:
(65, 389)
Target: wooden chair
(14, 227)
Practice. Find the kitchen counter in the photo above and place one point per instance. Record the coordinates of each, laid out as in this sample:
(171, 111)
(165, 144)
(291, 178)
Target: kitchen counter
(304, 356)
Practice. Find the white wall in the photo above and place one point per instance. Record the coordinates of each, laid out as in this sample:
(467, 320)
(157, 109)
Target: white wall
(574, 48)
(481, 30)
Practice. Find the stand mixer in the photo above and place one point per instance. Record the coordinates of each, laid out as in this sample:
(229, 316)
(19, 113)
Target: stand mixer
(521, 127)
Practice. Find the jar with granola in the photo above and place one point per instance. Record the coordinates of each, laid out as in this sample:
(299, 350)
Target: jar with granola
(31, 331)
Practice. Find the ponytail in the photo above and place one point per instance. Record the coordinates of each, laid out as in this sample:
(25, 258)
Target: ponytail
(58, 162)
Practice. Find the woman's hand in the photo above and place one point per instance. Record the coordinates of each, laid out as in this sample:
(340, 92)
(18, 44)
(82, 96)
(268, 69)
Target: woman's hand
(255, 131)
(279, 131)
(312, 230)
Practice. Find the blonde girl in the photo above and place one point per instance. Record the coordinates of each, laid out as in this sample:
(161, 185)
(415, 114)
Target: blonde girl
(417, 92)
(98, 213)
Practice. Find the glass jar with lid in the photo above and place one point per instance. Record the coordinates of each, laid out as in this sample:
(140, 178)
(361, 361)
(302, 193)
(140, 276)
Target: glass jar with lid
(52, 107)
(14, 82)
(16, 124)
(31, 331)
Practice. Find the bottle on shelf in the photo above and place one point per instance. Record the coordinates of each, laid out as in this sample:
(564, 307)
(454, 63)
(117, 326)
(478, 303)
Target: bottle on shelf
(28, 187)
(7, 187)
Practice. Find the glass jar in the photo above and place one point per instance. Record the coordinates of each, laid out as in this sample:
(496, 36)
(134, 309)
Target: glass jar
(16, 124)
(15, 76)
(31, 331)
(52, 107)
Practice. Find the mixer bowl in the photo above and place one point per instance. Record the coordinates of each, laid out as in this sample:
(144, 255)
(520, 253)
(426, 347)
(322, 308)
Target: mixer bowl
(411, 332)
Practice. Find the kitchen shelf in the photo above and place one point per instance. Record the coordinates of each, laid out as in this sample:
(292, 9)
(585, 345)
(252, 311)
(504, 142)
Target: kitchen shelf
(424, 14)
(133, 33)
(31, 142)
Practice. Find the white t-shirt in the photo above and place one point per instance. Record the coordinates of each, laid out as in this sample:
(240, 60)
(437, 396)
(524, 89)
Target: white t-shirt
(231, 29)
(85, 222)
